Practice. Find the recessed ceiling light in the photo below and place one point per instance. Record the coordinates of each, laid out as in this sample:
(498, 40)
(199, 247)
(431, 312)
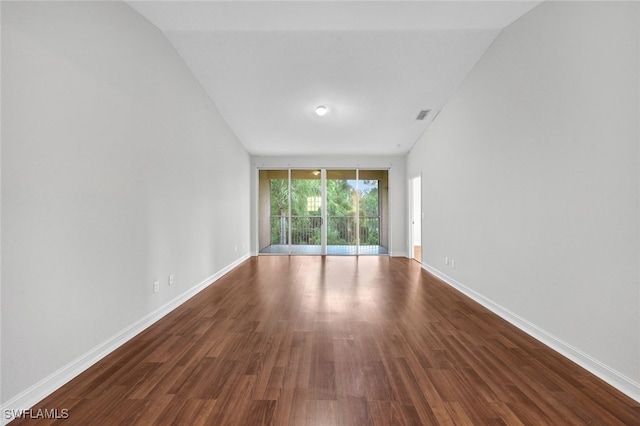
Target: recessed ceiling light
(321, 110)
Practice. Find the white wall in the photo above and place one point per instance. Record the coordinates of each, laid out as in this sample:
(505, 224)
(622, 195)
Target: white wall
(531, 180)
(117, 170)
(397, 188)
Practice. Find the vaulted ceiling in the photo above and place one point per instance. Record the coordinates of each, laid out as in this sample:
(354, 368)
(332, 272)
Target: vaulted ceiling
(375, 65)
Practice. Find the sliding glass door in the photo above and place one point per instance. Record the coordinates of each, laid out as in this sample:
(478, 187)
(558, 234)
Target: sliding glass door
(342, 212)
(373, 208)
(306, 215)
(319, 211)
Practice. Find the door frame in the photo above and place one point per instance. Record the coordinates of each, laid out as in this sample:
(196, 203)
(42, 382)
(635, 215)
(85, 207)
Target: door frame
(413, 194)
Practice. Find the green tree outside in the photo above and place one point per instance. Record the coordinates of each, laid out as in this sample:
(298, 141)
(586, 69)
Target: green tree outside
(341, 211)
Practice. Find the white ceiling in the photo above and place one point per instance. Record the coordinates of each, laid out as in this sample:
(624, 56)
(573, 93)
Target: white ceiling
(374, 64)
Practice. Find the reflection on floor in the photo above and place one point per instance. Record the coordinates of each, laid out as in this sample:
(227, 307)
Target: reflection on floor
(331, 250)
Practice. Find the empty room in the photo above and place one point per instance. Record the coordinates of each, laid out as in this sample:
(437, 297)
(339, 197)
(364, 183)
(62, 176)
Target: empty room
(320, 212)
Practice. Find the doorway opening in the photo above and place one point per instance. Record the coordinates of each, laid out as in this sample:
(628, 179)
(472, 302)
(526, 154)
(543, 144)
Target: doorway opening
(323, 211)
(415, 207)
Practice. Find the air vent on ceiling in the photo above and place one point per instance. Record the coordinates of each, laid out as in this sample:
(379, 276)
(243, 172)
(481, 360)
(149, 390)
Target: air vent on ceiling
(423, 114)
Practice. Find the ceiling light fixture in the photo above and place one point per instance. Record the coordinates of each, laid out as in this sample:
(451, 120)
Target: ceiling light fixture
(321, 110)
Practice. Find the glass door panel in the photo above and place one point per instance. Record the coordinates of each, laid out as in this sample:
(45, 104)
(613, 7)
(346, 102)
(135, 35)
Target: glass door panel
(306, 212)
(342, 212)
(370, 184)
(273, 209)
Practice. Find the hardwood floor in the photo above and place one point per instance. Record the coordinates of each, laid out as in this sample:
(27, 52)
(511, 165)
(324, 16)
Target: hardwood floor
(336, 341)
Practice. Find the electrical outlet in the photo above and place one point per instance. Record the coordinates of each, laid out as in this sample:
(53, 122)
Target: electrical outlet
(453, 263)
(171, 279)
(156, 286)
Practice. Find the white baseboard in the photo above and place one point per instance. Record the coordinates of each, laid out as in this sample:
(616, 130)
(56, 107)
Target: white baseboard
(399, 254)
(45, 387)
(624, 384)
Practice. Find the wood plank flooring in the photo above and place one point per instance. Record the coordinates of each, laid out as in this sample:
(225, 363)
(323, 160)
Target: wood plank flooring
(335, 341)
